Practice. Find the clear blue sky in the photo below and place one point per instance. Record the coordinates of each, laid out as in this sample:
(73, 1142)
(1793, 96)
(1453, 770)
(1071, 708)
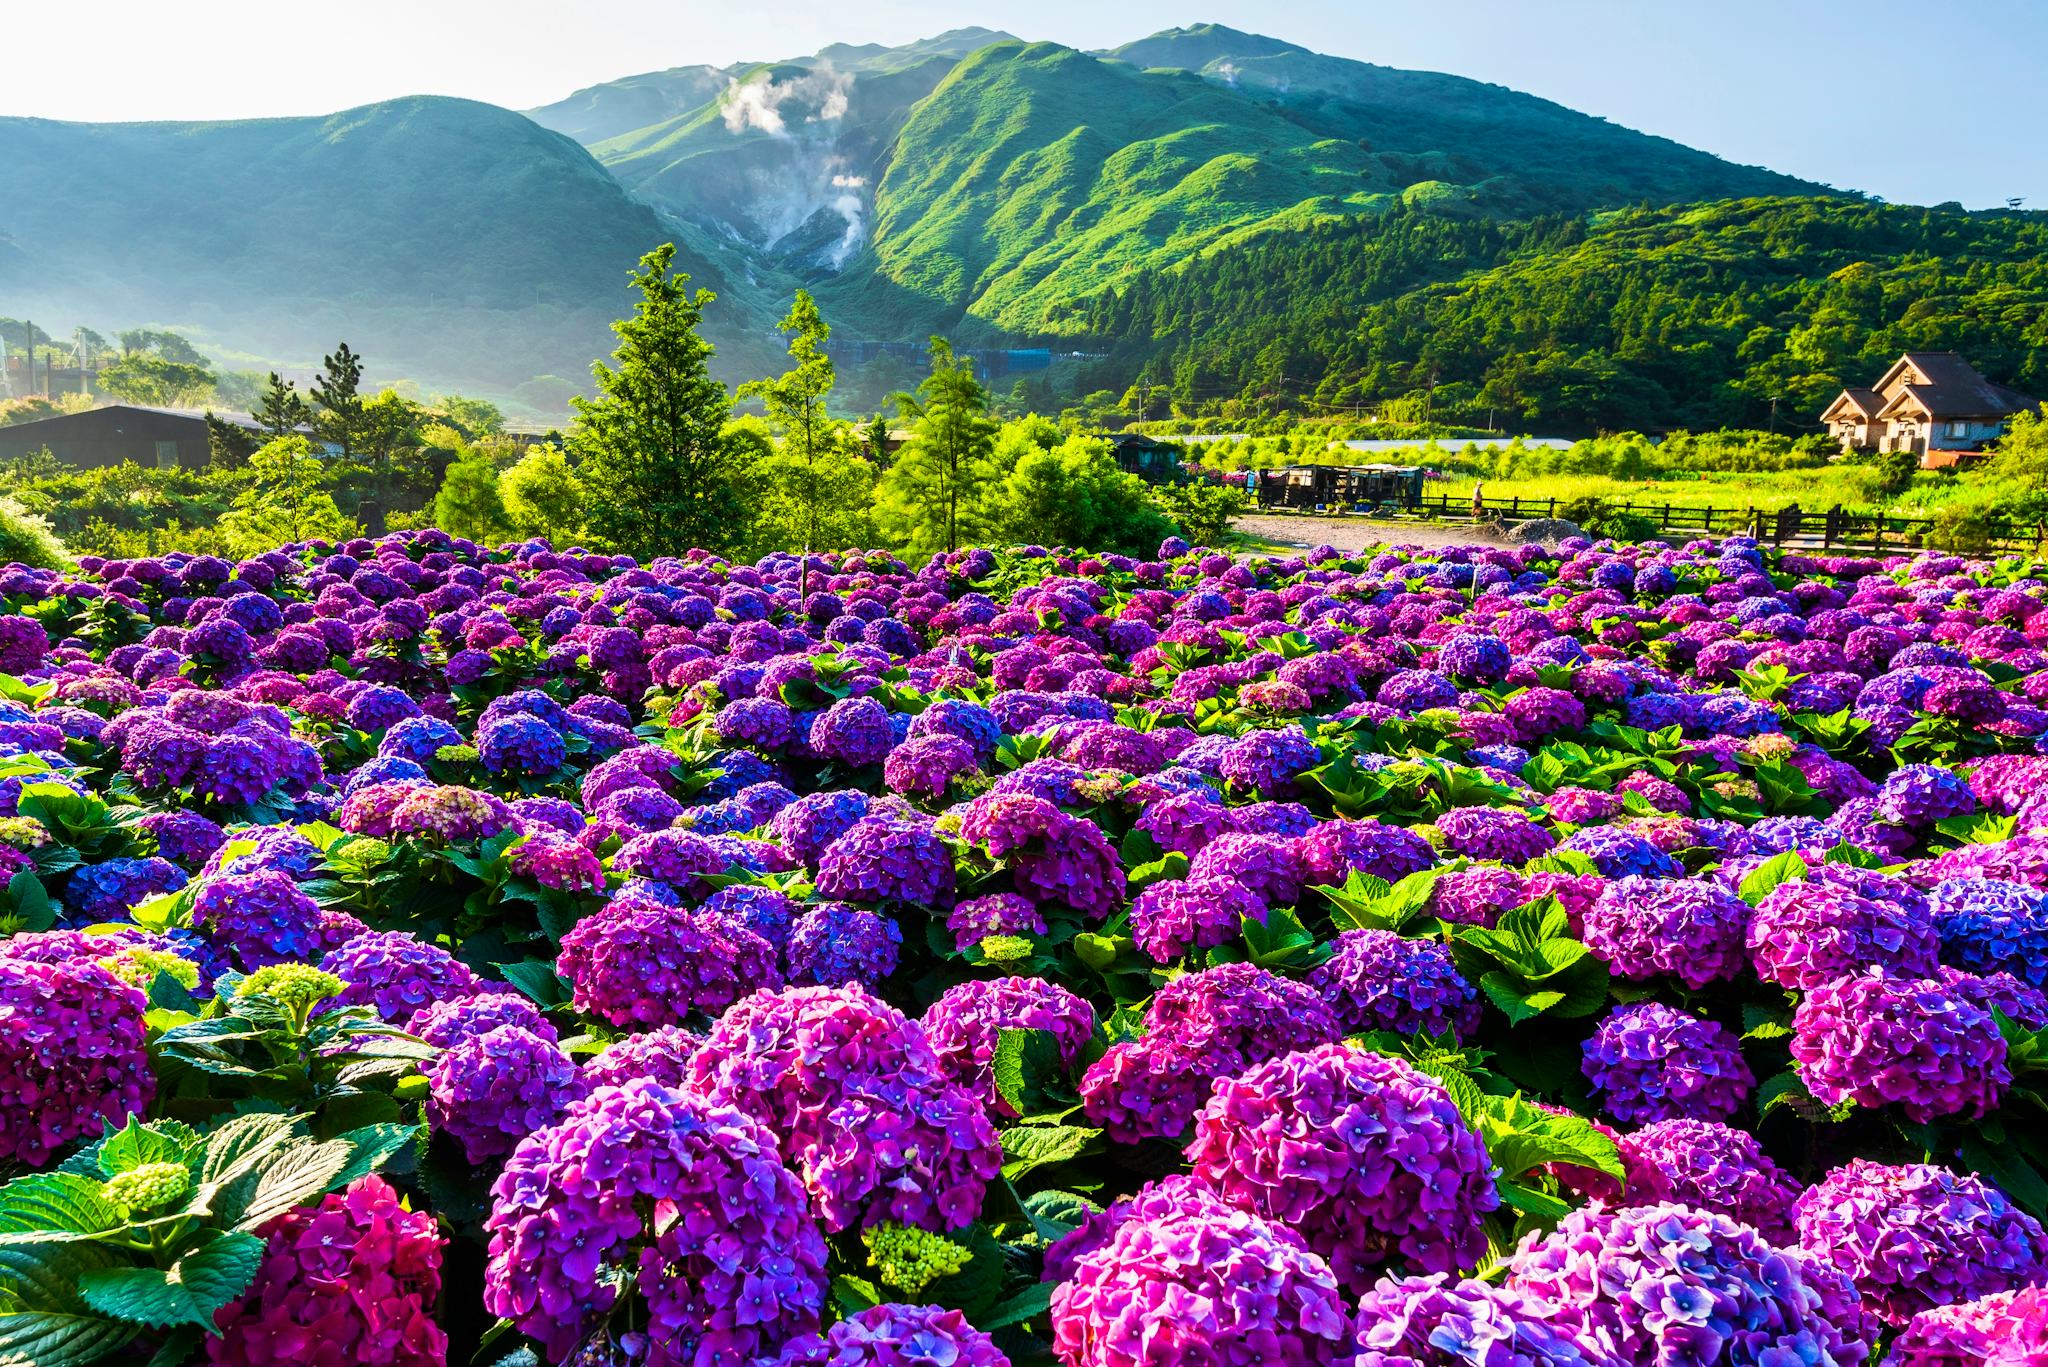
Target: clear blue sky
(1915, 100)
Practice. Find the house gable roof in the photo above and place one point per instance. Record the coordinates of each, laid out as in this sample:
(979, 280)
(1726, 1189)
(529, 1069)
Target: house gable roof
(1867, 402)
(1952, 389)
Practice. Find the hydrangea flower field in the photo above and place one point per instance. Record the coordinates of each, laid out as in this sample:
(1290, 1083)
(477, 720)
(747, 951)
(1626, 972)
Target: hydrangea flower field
(419, 952)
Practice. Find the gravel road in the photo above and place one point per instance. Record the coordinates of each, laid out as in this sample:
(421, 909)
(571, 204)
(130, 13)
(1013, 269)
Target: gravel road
(1351, 534)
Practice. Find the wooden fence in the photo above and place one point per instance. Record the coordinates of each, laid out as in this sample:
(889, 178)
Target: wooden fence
(1792, 527)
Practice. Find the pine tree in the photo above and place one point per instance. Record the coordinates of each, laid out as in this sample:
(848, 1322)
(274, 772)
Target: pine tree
(283, 410)
(661, 474)
(338, 396)
(934, 492)
(814, 488)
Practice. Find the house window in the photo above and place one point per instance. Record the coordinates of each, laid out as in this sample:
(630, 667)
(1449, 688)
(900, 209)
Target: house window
(1959, 429)
(166, 454)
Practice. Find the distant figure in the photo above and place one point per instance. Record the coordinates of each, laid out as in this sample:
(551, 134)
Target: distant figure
(1478, 500)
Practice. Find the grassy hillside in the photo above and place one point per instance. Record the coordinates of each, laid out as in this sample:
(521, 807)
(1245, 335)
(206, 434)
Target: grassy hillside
(441, 237)
(1691, 315)
(1549, 156)
(1033, 176)
(598, 112)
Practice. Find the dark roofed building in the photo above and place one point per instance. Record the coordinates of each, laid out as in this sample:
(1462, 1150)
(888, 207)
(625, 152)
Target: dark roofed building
(1147, 457)
(1931, 404)
(119, 433)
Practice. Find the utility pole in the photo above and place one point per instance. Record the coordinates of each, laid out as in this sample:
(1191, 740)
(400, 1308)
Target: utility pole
(1774, 413)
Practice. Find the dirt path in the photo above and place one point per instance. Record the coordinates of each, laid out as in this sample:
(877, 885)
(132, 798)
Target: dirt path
(1352, 534)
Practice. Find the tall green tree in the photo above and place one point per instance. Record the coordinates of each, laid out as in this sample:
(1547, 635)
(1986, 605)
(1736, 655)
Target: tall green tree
(287, 500)
(660, 472)
(283, 410)
(813, 490)
(469, 503)
(543, 496)
(338, 396)
(146, 378)
(935, 494)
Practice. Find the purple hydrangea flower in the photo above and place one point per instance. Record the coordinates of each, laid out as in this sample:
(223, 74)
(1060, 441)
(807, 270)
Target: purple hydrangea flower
(1917, 1043)
(637, 962)
(1709, 1166)
(1650, 1062)
(1362, 1155)
(834, 945)
(964, 1023)
(1693, 932)
(398, 974)
(1378, 980)
(491, 1090)
(1172, 917)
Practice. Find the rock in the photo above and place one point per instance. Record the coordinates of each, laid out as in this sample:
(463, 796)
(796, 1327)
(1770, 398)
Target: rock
(1543, 531)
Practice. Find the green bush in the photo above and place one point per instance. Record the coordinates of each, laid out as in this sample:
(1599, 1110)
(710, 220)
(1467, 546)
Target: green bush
(27, 539)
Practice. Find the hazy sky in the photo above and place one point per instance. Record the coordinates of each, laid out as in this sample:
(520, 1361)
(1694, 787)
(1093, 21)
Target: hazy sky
(1915, 100)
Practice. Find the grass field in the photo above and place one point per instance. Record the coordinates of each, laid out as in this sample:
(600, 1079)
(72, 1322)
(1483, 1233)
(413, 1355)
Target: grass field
(1816, 490)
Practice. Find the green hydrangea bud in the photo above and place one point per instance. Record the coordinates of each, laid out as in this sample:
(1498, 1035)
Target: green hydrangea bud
(292, 986)
(139, 965)
(1001, 949)
(149, 1186)
(23, 832)
(456, 754)
(912, 1259)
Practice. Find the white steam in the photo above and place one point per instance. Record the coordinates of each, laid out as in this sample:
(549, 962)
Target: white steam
(802, 113)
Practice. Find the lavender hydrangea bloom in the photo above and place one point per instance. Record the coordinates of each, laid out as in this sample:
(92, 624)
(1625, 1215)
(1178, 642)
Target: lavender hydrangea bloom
(1809, 932)
(1918, 795)
(880, 859)
(1497, 833)
(1693, 932)
(834, 945)
(1658, 1284)
(105, 891)
(491, 1090)
(1650, 1062)
(662, 1054)
(810, 825)
(1270, 867)
(738, 1270)
(853, 731)
(1619, 854)
(1268, 762)
(1436, 1321)
(1916, 1236)
(895, 1336)
(1333, 850)
(1362, 1155)
(446, 1023)
(1917, 1043)
(1378, 980)
(257, 918)
(925, 765)
(397, 974)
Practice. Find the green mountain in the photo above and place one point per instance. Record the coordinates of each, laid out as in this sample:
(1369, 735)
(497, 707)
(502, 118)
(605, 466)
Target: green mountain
(598, 112)
(982, 185)
(450, 241)
(1689, 315)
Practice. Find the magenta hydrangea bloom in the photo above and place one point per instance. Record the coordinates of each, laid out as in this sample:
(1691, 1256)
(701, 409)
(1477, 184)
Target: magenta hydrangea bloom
(1916, 1043)
(2005, 1329)
(352, 1278)
(1709, 1166)
(1052, 856)
(895, 1336)
(1810, 932)
(1691, 931)
(732, 1270)
(1914, 1236)
(491, 1090)
(1362, 1155)
(1170, 918)
(865, 1111)
(1436, 1321)
(72, 1055)
(924, 766)
(637, 962)
(398, 974)
(1212, 1284)
(1647, 1286)
(1268, 865)
(1651, 1062)
(1201, 1026)
(963, 1025)
(1378, 980)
